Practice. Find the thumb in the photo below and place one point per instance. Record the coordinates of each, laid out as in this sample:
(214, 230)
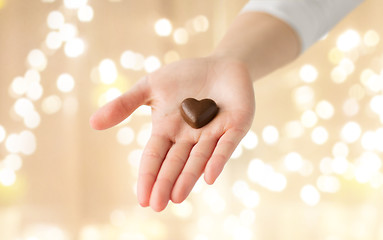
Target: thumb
(120, 108)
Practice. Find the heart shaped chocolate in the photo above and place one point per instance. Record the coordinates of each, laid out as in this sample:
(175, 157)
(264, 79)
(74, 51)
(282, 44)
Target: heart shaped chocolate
(198, 113)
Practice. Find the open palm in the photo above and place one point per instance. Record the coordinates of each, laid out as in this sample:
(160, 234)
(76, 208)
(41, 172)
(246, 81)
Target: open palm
(176, 154)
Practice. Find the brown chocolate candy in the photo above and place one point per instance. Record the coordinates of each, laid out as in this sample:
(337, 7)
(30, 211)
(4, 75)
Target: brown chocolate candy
(198, 113)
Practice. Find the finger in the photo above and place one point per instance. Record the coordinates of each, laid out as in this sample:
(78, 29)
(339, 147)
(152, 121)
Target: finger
(169, 172)
(117, 110)
(222, 153)
(193, 169)
(152, 158)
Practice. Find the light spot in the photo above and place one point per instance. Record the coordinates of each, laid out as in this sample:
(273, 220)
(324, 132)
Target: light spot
(351, 107)
(65, 83)
(125, 135)
(310, 195)
(304, 97)
(151, 64)
(85, 13)
(53, 40)
(67, 32)
(371, 38)
(270, 134)
(293, 161)
(324, 109)
(294, 129)
(55, 20)
(340, 149)
(181, 36)
(319, 135)
(37, 60)
(171, 56)
(13, 162)
(309, 119)
(351, 132)
(308, 73)
(51, 104)
(348, 40)
(3, 134)
(108, 71)
(7, 177)
(74, 47)
(201, 23)
(163, 27)
(75, 4)
(32, 120)
(328, 184)
(250, 141)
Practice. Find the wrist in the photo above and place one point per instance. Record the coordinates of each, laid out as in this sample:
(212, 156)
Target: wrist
(260, 41)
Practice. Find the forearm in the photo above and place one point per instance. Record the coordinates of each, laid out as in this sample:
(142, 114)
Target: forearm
(260, 41)
(270, 34)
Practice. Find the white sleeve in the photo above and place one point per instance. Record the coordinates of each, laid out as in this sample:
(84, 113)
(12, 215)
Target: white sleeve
(311, 19)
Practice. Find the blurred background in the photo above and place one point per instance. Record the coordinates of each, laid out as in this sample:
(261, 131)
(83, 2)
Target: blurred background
(310, 168)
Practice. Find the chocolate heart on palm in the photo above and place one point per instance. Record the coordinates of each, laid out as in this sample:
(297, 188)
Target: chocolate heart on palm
(198, 113)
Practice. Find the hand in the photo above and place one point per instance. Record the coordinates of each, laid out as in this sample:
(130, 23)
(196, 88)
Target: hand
(176, 154)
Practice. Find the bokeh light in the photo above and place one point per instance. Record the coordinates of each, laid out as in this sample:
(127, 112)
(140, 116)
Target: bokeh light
(351, 107)
(32, 120)
(250, 141)
(338, 75)
(37, 59)
(108, 71)
(13, 162)
(308, 73)
(351, 132)
(3, 133)
(201, 23)
(125, 135)
(74, 47)
(75, 4)
(51, 104)
(108, 96)
(163, 27)
(151, 64)
(19, 86)
(294, 129)
(319, 135)
(65, 83)
(324, 109)
(340, 149)
(310, 195)
(7, 177)
(328, 184)
(293, 161)
(68, 31)
(181, 36)
(171, 56)
(270, 134)
(309, 119)
(304, 97)
(348, 40)
(85, 13)
(55, 20)
(53, 40)
(371, 38)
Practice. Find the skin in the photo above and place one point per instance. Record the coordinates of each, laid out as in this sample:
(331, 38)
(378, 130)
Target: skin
(176, 155)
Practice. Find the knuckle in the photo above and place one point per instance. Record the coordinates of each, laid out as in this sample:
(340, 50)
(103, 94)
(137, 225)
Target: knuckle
(149, 154)
(194, 176)
(177, 159)
(199, 155)
(219, 157)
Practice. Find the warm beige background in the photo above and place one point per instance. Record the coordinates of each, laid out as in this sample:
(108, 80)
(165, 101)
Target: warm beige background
(79, 183)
